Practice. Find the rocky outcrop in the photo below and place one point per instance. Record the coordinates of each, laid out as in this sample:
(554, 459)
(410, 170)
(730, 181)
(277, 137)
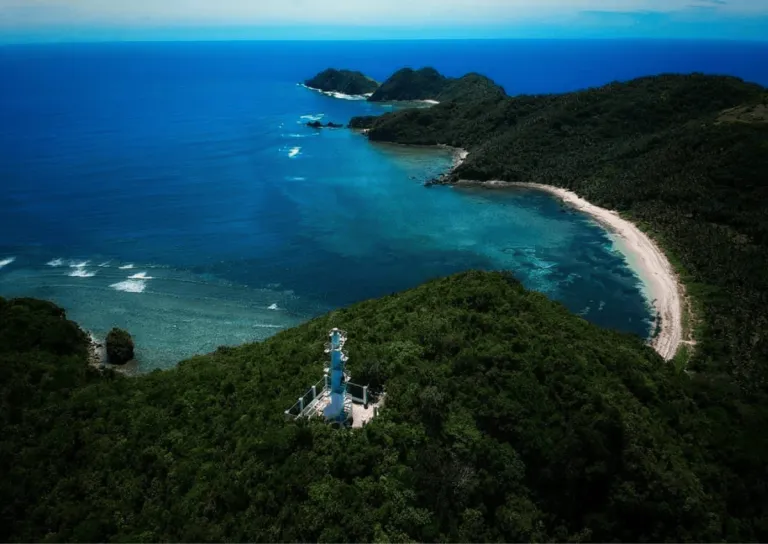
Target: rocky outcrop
(119, 347)
(318, 124)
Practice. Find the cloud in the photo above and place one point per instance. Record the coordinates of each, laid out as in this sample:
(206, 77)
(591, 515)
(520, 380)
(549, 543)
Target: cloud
(345, 12)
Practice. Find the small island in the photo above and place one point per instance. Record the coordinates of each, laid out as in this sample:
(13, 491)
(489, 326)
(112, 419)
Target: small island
(349, 82)
(408, 85)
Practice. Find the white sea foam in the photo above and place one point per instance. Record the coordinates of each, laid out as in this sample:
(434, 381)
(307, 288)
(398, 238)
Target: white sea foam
(104, 264)
(273, 306)
(130, 286)
(295, 178)
(315, 117)
(294, 151)
(126, 267)
(81, 272)
(140, 276)
(55, 262)
(7, 261)
(343, 96)
(335, 94)
(75, 264)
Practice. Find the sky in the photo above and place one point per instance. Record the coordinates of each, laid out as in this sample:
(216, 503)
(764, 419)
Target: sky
(106, 20)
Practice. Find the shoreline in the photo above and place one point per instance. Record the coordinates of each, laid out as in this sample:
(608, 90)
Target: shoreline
(661, 286)
(97, 351)
(459, 156)
(97, 357)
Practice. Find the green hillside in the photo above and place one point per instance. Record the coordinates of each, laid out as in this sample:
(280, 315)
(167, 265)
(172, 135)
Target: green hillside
(429, 84)
(350, 82)
(506, 419)
(684, 156)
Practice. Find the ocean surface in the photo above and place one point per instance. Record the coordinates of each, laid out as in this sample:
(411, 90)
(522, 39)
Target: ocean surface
(173, 189)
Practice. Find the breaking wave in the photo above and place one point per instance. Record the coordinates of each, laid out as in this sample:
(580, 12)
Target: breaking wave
(81, 272)
(334, 94)
(130, 286)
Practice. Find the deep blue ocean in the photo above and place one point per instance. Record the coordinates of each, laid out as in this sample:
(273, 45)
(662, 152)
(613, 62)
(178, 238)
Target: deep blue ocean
(173, 188)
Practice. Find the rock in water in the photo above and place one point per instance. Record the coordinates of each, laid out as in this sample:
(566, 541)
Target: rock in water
(119, 347)
(318, 124)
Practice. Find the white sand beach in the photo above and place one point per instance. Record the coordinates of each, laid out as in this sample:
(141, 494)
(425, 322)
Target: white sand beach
(660, 282)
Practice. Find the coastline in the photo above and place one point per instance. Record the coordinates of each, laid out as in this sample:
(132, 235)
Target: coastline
(334, 94)
(459, 156)
(97, 357)
(662, 287)
(97, 351)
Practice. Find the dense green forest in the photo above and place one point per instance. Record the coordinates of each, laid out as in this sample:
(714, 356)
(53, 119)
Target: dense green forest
(429, 84)
(506, 419)
(342, 81)
(684, 156)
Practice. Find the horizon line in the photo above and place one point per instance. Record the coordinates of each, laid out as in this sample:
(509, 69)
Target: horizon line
(54, 41)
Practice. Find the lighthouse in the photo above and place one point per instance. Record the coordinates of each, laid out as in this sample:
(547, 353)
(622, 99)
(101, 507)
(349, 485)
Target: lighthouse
(335, 398)
(336, 410)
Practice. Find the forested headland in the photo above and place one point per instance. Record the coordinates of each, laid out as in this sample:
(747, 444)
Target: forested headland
(350, 82)
(507, 418)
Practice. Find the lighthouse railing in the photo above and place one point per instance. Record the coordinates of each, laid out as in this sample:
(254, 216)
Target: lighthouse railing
(307, 401)
(358, 393)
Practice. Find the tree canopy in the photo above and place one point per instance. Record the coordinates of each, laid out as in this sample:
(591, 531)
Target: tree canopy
(342, 81)
(429, 84)
(506, 419)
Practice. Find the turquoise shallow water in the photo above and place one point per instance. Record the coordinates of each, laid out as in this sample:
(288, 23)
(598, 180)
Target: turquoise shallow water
(187, 202)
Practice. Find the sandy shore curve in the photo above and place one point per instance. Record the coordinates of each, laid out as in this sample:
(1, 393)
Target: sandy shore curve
(661, 285)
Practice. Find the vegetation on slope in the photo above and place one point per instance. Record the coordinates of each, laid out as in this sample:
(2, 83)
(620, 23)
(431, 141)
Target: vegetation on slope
(686, 157)
(343, 81)
(429, 84)
(506, 419)
(660, 149)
